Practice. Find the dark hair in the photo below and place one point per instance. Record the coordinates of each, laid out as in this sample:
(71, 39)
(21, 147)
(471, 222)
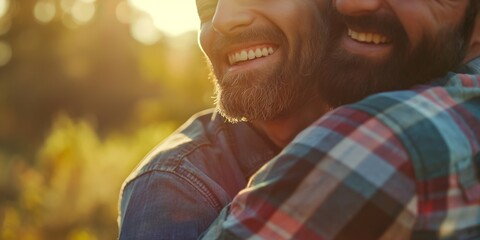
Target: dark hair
(474, 4)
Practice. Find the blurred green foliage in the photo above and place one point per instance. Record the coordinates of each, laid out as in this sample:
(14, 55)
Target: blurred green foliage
(80, 105)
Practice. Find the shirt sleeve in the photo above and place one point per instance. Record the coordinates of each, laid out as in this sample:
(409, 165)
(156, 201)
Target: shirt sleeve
(345, 177)
(162, 205)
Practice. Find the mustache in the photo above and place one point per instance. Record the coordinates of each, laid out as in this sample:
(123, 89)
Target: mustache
(268, 34)
(385, 24)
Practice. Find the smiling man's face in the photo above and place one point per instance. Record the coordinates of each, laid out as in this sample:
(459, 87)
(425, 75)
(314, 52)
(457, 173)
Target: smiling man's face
(382, 45)
(263, 54)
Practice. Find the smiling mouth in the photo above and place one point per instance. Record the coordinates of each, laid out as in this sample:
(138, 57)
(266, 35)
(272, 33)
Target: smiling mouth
(250, 54)
(370, 38)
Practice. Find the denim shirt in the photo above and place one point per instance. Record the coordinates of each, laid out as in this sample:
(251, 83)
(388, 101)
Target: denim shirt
(183, 184)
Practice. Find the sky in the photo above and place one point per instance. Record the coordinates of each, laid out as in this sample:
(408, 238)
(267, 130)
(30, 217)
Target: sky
(173, 17)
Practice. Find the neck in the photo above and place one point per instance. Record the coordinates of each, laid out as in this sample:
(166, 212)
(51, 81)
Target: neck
(283, 129)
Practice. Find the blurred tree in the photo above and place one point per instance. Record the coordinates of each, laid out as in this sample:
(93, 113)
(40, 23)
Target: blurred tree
(92, 70)
(80, 103)
(89, 71)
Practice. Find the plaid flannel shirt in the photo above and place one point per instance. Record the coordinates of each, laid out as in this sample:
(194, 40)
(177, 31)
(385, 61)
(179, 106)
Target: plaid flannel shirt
(396, 165)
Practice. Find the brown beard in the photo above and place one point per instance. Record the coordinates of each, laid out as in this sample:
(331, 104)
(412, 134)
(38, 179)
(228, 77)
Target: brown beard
(347, 78)
(274, 92)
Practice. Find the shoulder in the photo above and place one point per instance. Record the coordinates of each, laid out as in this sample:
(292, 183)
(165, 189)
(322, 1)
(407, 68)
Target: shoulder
(439, 96)
(195, 139)
(176, 186)
(413, 116)
(425, 124)
(390, 127)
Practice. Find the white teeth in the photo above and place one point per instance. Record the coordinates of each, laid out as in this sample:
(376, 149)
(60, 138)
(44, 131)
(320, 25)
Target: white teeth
(258, 53)
(368, 37)
(264, 52)
(377, 39)
(251, 54)
(243, 56)
(362, 37)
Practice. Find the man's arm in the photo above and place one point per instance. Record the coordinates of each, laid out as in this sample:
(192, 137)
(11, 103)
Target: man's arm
(346, 177)
(163, 205)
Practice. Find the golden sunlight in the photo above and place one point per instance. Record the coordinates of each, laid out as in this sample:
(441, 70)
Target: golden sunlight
(3, 7)
(5, 53)
(171, 17)
(44, 11)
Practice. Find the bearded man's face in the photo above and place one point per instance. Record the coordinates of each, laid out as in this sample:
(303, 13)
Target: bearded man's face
(263, 54)
(391, 45)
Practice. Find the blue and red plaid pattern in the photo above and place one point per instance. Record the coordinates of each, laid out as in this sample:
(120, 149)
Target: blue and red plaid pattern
(396, 165)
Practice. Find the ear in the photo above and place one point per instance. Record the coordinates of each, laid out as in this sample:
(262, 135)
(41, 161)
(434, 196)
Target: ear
(474, 45)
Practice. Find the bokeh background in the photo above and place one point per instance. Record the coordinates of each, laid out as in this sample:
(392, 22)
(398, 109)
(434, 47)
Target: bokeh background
(87, 88)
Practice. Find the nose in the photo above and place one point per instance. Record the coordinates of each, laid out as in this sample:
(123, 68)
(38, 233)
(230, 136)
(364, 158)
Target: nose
(231, 17)
(357, 7)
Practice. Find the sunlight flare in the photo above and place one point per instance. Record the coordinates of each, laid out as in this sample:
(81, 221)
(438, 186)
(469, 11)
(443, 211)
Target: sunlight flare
(171, 17)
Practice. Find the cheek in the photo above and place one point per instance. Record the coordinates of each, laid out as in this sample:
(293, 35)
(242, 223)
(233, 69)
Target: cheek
(300, 28)
(291, 16)
(415, 32)
(413, 17)
(422, 18)
(205, 39)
